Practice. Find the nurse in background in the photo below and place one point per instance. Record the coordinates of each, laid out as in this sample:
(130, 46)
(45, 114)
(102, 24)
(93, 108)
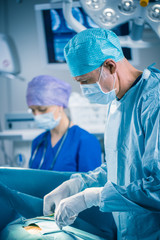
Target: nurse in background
(63, 146)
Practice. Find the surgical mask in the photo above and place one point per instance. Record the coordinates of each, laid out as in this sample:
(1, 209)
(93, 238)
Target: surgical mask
(46, 121)
(95, 94)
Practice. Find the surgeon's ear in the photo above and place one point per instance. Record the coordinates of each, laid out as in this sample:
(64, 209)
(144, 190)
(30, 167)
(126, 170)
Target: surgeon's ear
(110, 65)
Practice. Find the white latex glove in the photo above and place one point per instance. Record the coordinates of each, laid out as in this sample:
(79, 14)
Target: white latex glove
(66, 189)
(69, 208)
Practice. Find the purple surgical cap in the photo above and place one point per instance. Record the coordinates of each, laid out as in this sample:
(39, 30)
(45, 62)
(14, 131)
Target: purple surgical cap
(46, 90)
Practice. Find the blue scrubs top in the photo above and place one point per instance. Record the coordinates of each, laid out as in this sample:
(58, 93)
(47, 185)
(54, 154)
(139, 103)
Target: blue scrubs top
(80, 152)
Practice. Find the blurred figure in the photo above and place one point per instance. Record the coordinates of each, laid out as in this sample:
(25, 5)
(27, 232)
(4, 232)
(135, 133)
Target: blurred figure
(63, 146)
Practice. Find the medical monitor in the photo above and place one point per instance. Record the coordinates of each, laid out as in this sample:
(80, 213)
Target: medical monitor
(54, 33)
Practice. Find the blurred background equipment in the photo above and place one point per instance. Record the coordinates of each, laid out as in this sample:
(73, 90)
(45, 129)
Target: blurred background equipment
(110, 14)
(9, 61)
(20, 128)
(54, 31)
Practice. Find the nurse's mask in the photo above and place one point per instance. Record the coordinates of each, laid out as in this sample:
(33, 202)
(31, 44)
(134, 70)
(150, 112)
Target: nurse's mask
(47, 121)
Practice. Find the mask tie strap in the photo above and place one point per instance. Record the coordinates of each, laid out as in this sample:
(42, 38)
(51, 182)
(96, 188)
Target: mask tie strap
(100, 74)
(114, 81)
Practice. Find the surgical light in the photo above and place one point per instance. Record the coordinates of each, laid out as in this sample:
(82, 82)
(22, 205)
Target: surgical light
(108, 16)
(110, 13)
(94, 4)
(154, 12)
(127, 6)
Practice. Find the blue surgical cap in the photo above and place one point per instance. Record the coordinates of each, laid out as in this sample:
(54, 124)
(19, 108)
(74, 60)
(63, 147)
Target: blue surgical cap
(88, 49)
(46, 90)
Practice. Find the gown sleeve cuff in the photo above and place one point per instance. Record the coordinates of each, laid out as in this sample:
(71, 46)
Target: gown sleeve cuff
(79, 176)
(113, 201)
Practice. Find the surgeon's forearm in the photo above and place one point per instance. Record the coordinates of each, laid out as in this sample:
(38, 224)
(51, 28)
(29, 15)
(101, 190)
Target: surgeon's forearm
(96, 178)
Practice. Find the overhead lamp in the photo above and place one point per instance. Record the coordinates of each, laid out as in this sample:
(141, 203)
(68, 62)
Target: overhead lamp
(112, 13)
(127, 6)
(107, 13)
(108, 16)
(93, 4)
(154, 12)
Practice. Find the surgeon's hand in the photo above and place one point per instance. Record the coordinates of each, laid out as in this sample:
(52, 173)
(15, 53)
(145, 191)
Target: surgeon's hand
(69, 208)
(66, 189)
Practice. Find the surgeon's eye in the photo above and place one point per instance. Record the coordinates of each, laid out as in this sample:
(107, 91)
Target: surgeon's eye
(84, 82)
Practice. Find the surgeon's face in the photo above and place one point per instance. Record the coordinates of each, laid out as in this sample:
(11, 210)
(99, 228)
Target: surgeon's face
(37, 110)
(101, 75)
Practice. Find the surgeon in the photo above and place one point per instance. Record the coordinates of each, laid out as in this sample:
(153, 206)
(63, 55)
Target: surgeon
(128, 185)
(63, 146)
